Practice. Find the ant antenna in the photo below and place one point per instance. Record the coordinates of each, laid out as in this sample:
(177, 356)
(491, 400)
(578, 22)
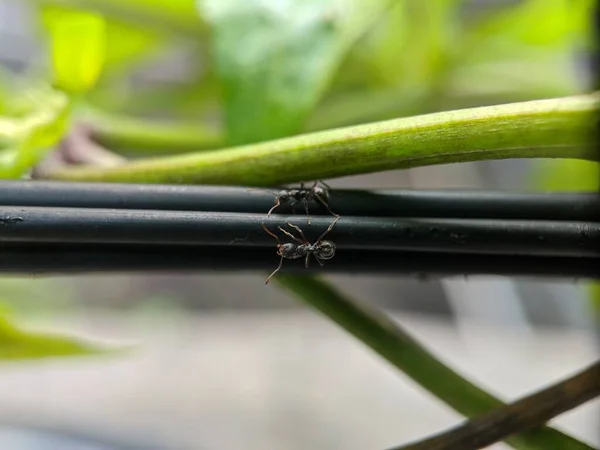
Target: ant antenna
(276, 270)
(325, 184)
(261, 190)
(324, 203)
(290, 235)
(264, 227)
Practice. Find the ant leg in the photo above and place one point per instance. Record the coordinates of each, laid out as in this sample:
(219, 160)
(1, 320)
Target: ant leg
(275, 271)
(320, 261)
(305, 203)
(307, 260)
(324, 203)
(299, 231)
(325, 184)
(277, 203)
(264, 227)
(328, 229)
(290, 235)
(261, 190)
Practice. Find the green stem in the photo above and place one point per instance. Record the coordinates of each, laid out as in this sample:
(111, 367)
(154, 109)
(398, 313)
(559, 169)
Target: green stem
(387, 338)
(135, 136)
(556, 128)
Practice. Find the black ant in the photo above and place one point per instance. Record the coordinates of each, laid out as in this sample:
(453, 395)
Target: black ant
(303, 195)
(322, 250)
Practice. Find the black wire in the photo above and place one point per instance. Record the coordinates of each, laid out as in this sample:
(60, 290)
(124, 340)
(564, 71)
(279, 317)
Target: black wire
(64, 225)
(61, 259)
(401, 203)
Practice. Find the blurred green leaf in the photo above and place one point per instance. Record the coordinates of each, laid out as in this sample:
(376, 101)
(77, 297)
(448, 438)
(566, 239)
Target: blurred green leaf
(529, 27)
(19, 344)
(275, 59)
(126, 43)
(40, 117)
(171, 16)
(413, 43)
(566, 175)
(78, 47)
(196, 99)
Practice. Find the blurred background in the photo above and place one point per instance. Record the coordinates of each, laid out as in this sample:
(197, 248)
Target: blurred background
(227, 362)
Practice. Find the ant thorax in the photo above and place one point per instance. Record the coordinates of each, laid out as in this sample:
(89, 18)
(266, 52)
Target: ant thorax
(284, 195)
(318, 191)
(298, 194)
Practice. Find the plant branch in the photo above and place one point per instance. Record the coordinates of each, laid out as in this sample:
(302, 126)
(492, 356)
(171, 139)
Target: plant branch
(526, 413)
(556, 128)
(135, 136)
(387, 338)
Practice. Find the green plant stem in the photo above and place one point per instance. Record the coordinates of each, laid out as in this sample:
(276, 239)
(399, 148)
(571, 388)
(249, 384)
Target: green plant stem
(387, 338)
(556, 128)
(136, 136)
(523, 414)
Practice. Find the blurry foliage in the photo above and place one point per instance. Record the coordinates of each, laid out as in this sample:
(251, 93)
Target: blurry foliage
(288, 53)
(78, 47)
(287, 66)
(33, 120)
(19, 344)
(262, 69)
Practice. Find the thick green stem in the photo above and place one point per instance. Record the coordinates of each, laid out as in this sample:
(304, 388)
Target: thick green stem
(387, 338)
(556, 128)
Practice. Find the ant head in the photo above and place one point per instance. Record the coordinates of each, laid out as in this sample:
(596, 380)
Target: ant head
(321, 192)
(286, 250)
(283, 195)
(325, 250)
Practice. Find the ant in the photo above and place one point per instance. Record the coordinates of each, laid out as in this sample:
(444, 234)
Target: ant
(303, 195)
(322, 250)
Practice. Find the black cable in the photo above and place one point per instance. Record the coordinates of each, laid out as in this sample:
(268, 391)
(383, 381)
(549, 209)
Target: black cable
(61, 258)
(35, 224)
(383, 203)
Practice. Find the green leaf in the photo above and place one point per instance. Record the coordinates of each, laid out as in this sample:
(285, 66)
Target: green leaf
(275, 59)
(555, 128)
(124, 43)
(566, 175)
(20, 344)
(171, 16)
(411, 45)
(40, 118)
(127, 43)
(78, 44)
(532, 25)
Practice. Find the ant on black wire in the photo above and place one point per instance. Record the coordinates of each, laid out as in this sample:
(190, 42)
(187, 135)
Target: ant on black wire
(303, 195)
(322, 250)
